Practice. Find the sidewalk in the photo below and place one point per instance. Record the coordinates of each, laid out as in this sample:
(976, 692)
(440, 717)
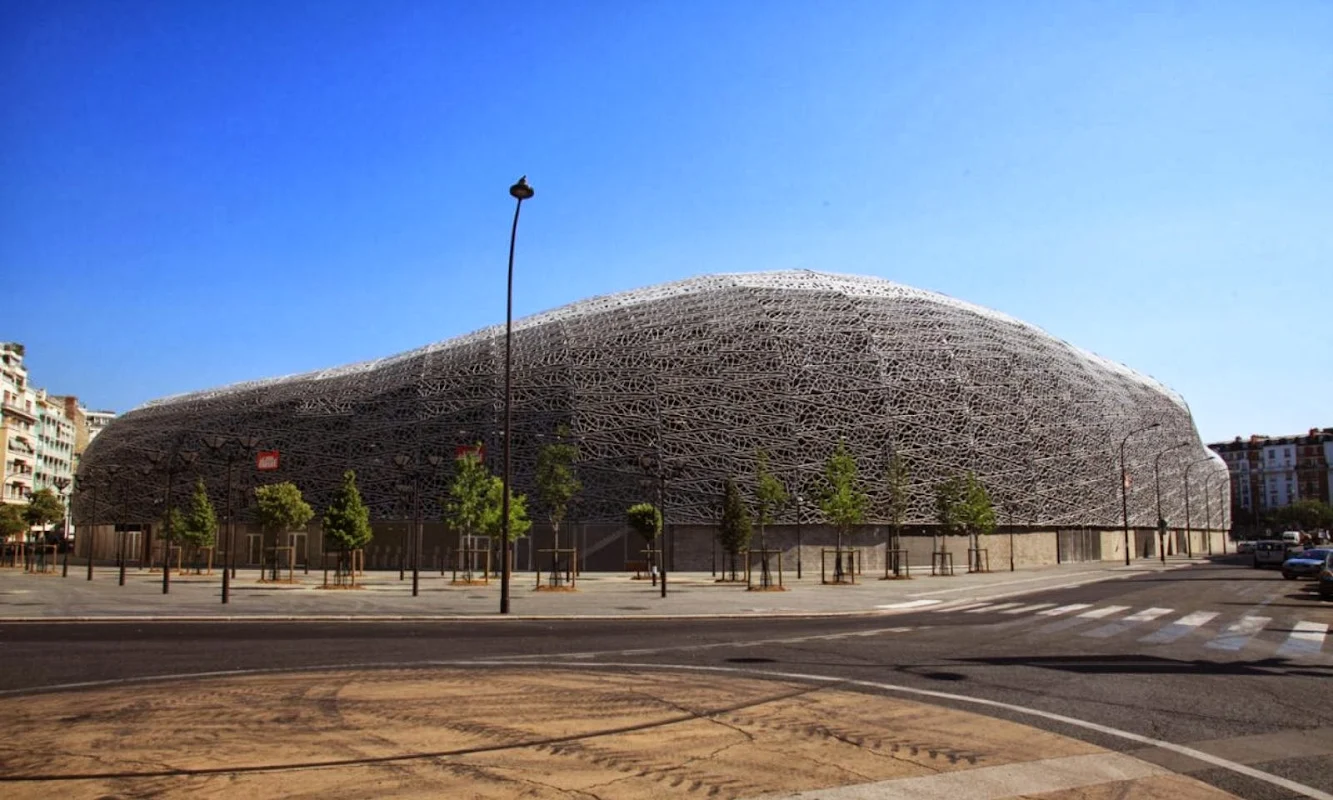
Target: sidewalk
(51, 598)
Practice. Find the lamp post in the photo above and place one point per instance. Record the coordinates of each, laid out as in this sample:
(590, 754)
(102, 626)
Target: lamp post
(62, 483)
(799, 502)
(655, 466)
(1189, 531)
(1157, 481)
(520, 191)
(1124, 482)
(1223, 482)
(168, 462)
(81, 483)
(215, 444)
(249, 443)
(403, 461)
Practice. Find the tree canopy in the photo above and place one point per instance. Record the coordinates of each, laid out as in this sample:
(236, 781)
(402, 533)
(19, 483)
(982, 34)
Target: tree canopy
(949, 494)
(645, 519)
(468, 505)
(280, 507)
(770, 496)
(1307, 515)
(519, 524)
(843, 501)
(44, 508)
(557, 480)
(13, 520)
(734, 534)
(347, 519)
(199, 527)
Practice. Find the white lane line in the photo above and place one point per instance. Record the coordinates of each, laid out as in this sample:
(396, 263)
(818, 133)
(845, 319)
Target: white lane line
(1027, 609)
(1104, 611)
(1306, 639)
(1055, 612)
(1120, 626)
(1020, 779)
(988, 609)
(951, 609)
(911, 604)
(1239, 634)
(1180, 628)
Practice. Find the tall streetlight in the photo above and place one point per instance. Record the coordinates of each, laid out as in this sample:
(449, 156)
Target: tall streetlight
(1124, 482)
(216, 445)
(1224, 482)
(1189, 534)
(519, 191)
(655, 467)
(168, 462)
(62, 483)
(91, 484)
(1157, 481)
(800, 500)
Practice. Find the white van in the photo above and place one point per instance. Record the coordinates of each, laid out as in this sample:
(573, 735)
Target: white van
(1291, 538)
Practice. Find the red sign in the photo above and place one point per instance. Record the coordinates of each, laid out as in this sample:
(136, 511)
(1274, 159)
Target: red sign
(477, 451)
(266, 460)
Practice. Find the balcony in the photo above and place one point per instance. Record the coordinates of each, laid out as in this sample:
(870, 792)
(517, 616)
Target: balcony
(11, 406)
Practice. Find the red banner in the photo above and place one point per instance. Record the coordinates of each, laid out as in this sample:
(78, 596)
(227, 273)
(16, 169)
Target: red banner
(266, 460)
(477, 451)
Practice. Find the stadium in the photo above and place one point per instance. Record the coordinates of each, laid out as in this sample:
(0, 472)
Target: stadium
(675, 387)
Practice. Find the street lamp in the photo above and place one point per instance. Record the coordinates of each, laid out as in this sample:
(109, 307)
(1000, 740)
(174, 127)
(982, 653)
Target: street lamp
(1124, 482)
(519, 191)
(62, 483)
(1157, 481)
(168, 463)
(800, 500)
(655, 467)
(1224, 481)
(215, 444)
(82, 482)
(1189, 535)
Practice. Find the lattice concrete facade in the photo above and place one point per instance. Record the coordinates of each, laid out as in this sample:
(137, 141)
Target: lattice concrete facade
(710, 370)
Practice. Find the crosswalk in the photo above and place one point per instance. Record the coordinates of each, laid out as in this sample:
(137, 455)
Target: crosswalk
(1159, 626)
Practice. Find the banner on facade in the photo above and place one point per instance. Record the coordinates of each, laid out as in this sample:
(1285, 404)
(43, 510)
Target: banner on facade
(266, 460)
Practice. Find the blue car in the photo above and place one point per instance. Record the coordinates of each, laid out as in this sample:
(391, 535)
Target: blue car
(1306, 564)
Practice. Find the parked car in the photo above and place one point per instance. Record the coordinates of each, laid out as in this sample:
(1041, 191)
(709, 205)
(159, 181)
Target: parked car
(1306, 564)
(1292, 538)
(1244, 546)
(1326, 580)
(1269, 553)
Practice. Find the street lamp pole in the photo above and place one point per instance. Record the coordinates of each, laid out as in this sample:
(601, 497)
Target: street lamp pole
(62, 483)
(1157, 481)
(1124, 482)
(187, 456)
(215, 444)
(79, 485)
(799, 501)
(520, 191)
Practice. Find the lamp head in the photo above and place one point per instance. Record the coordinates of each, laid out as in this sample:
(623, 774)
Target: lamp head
(521, 190)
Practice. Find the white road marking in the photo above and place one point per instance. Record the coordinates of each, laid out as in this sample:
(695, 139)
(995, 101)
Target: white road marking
(1055, 612)
(1104, 611)
(1306, 639)
(1180, 628)
(1019, 779)
(951, 609)
(1239, 634)
(1120, 626)
(911, 604)
(1027, 609)
(987, 609)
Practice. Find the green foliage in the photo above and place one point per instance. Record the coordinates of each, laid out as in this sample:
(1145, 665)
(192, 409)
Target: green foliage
(949, 496)
(347, 519)
(173, 524)
(468, 504)
(898, 481)
(13, 520)
(44, 508)
(1305, 515)
(976, 513)
(200, 526)
(557, 481)
(843, 501)
(770, 496)
(646, 520)
(519, 524)
(279, 507)
(734, 535)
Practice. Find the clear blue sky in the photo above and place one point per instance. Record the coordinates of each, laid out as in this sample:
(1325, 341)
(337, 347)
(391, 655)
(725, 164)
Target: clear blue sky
(197, 193)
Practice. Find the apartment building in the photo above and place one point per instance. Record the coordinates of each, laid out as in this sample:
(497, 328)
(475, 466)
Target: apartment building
(1269, 472)
(87, 424)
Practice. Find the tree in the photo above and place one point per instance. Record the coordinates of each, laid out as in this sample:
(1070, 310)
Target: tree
(975, 512)
(770, 497)
(898, 481)
(44, 508)
(467, 506)
(646, 520)
(280, 508)
(13, 521)
(843, 502)
(519, 524)
(347, 523)
(949, 495)
(1305, 515)
(557, 485)
(199, 528)
(172, 525)
(736, 524)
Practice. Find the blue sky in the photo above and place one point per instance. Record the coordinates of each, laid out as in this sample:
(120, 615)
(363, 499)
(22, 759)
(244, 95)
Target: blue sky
(202, 193)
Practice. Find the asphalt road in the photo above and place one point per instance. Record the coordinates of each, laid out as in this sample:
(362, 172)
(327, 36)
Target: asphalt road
(1221, 658)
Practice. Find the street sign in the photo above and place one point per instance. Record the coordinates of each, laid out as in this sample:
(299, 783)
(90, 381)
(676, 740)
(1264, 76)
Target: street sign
(266, 460)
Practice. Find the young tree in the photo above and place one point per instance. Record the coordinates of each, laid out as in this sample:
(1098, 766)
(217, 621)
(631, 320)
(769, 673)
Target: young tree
(975, 512)
(736, 523)
(44, 508)
(467, 506)
(280, 508)
(898, 481)
(347, 523)
(13, 521)
(557, 485)
(646, 520)
(519, 524)
(770, 498)
(199, 528)
(843, 501)
(949, 495)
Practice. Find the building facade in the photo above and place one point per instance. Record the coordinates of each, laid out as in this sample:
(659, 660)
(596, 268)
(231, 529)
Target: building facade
(1269, 472)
